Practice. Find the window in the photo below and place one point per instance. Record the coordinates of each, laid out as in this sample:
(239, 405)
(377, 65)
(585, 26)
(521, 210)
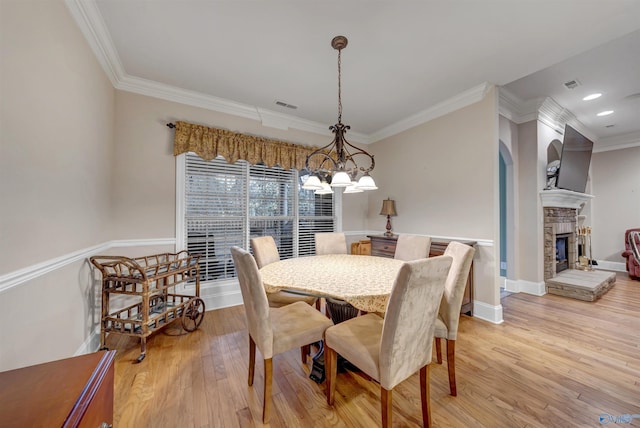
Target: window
(221, 205)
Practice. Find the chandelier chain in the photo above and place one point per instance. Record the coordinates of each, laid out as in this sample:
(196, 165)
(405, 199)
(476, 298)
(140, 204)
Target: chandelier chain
(339, 86)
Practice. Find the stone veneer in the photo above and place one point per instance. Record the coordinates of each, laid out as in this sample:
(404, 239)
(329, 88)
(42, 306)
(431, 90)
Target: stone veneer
(557, 221)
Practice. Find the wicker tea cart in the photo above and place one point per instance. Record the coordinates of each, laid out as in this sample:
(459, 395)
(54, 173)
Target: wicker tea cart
(148, 299)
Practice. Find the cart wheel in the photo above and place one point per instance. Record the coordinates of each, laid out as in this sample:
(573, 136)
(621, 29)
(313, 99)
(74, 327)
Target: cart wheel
(193, 314)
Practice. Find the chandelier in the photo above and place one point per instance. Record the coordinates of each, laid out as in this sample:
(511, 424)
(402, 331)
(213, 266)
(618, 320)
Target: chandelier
(336, 162)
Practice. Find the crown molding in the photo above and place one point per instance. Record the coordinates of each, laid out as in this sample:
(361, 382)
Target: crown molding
(618, 142)
(454, 103)
(89, 19)
(516, 109)
(546, 110)
(196, 99)
(279, 120)
(90, 22)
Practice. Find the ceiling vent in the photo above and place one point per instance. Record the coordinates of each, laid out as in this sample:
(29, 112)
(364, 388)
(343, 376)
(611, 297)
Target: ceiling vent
(283, 104)
(572, 84)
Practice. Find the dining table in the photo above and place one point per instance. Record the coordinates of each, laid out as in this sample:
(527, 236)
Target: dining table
(349, 283)
(364, 282)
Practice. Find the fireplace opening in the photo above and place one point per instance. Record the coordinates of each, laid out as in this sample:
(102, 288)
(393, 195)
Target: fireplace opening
(562, 252)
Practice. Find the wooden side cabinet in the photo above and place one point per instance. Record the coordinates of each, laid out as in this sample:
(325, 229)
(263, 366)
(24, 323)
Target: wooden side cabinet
(385, 246)
(361, 248)
(74, 392)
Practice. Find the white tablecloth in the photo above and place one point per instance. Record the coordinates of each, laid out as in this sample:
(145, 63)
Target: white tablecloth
(363, 281)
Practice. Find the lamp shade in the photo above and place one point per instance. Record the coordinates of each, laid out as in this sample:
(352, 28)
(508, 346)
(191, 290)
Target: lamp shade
(366, 183)
(326, 189)
(388, 207)
(312, 183)
(340, 179)
(352, 189)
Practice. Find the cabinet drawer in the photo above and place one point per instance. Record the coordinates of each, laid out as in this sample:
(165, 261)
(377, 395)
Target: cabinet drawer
(383, 247)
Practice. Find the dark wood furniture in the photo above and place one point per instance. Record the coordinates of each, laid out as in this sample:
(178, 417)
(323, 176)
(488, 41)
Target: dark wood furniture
(385, 246)
(74, 392)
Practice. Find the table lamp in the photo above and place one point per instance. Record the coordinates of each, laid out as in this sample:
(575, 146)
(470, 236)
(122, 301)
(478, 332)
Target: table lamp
(388, 209)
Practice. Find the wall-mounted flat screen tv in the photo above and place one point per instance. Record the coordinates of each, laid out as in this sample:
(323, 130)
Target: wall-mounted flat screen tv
(574, 161)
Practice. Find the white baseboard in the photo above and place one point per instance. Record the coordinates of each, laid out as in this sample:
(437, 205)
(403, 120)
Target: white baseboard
(487, 312)
(614, 266)
(221, 295)
(522, 286)
(91, 344)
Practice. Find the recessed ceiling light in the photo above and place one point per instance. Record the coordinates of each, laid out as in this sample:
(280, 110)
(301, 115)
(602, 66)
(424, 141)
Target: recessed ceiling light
(605, 113)
(592, 96)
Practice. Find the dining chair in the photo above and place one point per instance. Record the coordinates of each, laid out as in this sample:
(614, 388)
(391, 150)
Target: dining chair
(412, 247)
(273, 330)
(266, 252)
(393, 348)
(449, 312)
(330, 243)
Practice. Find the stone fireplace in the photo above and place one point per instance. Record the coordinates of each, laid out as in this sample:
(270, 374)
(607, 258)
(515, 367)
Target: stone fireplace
(559, 231)
(561, 220)
(560, 224)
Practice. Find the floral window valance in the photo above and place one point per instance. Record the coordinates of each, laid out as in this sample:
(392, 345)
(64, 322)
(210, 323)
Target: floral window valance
(208, 143)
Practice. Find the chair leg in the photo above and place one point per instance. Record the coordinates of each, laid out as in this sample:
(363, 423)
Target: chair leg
(304, 351)
(386, 404)
(331, 372)
(451, 366)
(438, 350)
(268, 374)
(252, 359)
(425, 395)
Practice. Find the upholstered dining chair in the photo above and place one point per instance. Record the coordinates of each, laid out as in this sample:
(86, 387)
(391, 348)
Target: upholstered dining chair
(393, 348)
(449, 313)
(273, 330)
(330, 243)
(412, 247)
(266, 252)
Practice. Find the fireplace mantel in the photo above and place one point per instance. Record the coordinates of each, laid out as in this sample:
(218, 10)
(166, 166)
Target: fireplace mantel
(562, 198)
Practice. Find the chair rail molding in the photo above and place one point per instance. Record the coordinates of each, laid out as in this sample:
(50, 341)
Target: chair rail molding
(20, 276)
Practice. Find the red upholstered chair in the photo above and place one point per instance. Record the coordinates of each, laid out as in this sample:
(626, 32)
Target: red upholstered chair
(632, 236)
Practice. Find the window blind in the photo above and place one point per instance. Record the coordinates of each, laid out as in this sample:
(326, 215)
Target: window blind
(227, 204)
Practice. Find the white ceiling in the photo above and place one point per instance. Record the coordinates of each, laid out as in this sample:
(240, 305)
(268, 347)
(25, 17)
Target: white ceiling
(403, 57)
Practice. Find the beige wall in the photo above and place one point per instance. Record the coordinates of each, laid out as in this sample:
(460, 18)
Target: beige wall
(57, 128)
(56, 122)
(615, 178)
(144, 170)
(443, 177)
(530, 212)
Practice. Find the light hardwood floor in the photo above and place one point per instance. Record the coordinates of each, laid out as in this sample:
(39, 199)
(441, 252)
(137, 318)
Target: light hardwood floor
(554, 362)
